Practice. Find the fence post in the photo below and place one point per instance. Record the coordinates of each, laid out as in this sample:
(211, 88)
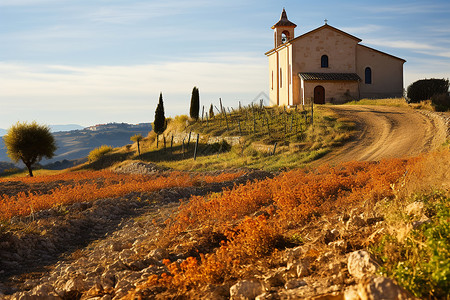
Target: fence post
(274, 148)
(196, 147)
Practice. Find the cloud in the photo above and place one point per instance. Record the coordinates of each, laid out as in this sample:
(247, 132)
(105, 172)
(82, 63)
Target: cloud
(368, 28)
(409, 8)
(402, 44)
(122, 93)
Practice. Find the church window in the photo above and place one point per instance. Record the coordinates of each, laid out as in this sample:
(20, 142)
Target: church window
(324, 61)
(285, 36)
(368, 76)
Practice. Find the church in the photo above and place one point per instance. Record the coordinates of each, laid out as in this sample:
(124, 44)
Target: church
(328, 65)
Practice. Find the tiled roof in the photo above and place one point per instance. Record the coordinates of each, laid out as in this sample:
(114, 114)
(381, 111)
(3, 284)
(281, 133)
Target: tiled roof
(330, 76)
(284, 21)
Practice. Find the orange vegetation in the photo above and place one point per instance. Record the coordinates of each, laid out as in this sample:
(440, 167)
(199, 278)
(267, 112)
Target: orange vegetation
(276, 205)
(89, 186)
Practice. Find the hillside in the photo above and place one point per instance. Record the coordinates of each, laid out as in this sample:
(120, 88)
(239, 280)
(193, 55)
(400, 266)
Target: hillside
(76, 144)
(140, 230)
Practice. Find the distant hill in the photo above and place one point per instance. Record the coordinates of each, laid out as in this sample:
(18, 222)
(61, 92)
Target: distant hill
(76, 144)
(54, 128)
(68, 127)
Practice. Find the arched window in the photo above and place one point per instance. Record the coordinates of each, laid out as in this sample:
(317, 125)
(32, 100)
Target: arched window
(285, 36)
(324, 61)
(368, 76)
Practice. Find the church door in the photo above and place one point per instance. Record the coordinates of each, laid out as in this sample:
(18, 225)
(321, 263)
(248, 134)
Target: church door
(319, 95)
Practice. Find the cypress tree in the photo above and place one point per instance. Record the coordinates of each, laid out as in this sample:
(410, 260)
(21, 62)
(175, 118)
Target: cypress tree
(195, 104)
(211, 111)
(159, 125)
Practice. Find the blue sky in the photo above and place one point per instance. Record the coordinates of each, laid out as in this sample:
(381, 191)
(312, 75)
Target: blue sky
(97, 61)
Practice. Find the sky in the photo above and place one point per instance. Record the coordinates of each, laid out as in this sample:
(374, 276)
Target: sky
(90, 62)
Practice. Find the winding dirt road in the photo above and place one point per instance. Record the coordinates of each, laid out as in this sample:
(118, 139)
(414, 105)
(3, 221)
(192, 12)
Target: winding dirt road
(387, 132)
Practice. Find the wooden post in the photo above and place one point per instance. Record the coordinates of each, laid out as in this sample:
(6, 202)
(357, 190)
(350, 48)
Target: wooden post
(182, 147)
(171, 143)
(274, 148)
(189, 140)
(196, 147)
(203, 111)
(221, 106)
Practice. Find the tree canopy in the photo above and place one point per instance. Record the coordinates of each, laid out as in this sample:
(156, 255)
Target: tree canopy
(159, 125)
(425, 89)
(195, 104)
(29, 142)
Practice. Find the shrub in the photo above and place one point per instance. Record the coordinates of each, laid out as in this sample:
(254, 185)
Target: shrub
(421, 262)
(99, 152)
(424, 89)
(441, 102)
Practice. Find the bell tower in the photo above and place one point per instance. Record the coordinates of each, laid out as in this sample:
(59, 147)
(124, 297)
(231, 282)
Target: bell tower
(283, 30)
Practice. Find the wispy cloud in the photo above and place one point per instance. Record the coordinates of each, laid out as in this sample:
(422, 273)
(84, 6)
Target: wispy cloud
(402, 44)
(127, 91)
(408, 8)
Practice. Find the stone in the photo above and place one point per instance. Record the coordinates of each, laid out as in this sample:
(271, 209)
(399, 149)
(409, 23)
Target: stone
(351, 293)
(415, 209)
(245, 289)
(339, 245)
(361, 264)
(293, 254)
(274, 278)
(294, 283)
(158, 254)
(303, 269)
(380, 288)
(355, 221)
(74, 284)
(331, 236)
(44, 290)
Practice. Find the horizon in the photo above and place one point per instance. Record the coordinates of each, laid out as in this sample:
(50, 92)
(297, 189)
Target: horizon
(84, 62)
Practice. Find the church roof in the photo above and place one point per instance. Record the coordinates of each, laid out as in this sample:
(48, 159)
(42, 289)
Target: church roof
(326, 26)
(330, 76)
(284, 21)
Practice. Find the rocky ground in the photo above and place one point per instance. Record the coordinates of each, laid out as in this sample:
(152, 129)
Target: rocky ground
(104, 249)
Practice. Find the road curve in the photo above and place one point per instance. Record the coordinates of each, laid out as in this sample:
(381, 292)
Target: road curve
(386, 132)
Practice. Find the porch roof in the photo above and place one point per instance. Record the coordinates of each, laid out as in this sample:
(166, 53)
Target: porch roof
(329, 76)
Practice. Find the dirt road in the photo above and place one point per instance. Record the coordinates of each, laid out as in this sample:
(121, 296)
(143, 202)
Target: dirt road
(387, 132)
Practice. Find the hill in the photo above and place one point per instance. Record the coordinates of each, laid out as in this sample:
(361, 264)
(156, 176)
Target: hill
(76, 144)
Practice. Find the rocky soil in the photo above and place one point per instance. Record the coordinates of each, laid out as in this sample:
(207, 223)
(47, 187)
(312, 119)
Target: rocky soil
(104, 249)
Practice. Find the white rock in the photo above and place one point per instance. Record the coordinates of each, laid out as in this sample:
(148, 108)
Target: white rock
(351, 293)
(340, 245)
(74, 284)
(294, 283)
(245, 289)
(361, 264)
(380, 288)
(414, 209)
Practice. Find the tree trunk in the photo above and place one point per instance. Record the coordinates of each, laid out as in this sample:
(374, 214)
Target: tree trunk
(30, 171)
(139, 149)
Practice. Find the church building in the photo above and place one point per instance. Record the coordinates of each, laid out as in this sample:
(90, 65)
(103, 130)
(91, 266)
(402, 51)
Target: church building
(328, 65)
